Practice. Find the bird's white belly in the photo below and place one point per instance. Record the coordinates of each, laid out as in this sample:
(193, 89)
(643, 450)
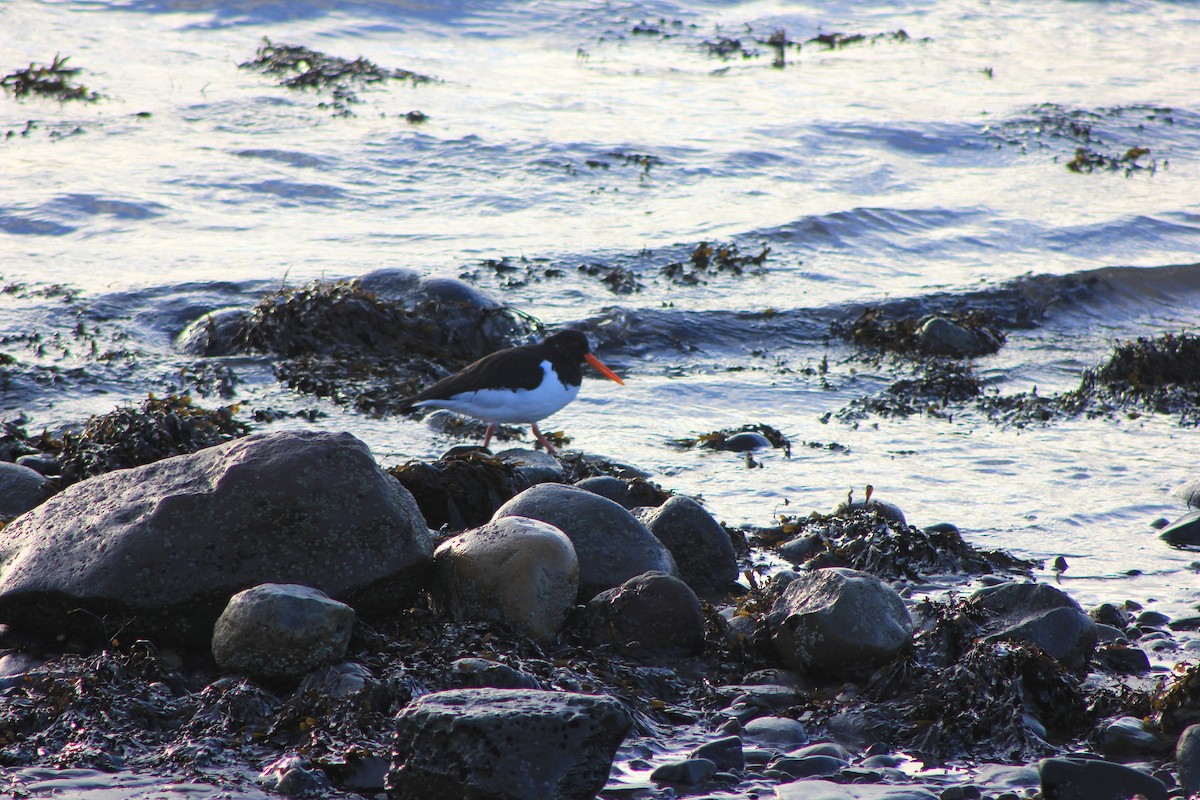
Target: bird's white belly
(506, 405)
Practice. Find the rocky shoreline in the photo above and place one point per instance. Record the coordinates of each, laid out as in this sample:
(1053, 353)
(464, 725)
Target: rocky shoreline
(189, 603)
(277, 607)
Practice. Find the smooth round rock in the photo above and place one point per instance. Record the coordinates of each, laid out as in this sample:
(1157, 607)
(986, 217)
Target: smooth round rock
(506, 744)
(688, 772)
(1127, 739)
(281, 630)
(481, 673)
(782, 732)
(535, 466)
(516, 570)
(940, 337)
(1069, 778)
(611, 544)
(838, 620)
(1183, 532)
(21, 489)
(700, 546)
(651, 617)
(1187, 758)
(393, 284)
(746, 441)
(725, 752)
(213, 334)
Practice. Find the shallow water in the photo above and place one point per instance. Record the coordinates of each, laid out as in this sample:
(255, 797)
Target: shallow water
(573, 133)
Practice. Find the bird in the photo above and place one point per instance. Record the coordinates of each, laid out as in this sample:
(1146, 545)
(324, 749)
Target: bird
(522, 384)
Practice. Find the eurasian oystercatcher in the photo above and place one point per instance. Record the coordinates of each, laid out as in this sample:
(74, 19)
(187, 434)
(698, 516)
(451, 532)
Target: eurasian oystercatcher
(518, 385)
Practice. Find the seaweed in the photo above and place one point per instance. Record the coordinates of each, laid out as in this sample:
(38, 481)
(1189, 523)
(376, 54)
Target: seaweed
(707, 259)
(132, 436)
(55, 81)
(460, 491)
(870, 540)
(879, 330)
(299, 67)
(1098, 139)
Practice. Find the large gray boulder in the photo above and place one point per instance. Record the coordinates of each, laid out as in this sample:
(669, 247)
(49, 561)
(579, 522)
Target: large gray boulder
(611, 545)
(161, 548)
(838, 621)
(1042, 615)
(516, 744)
(517, 570)
(700, 546)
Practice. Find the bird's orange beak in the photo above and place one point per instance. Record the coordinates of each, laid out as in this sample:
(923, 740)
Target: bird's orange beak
(603, 370)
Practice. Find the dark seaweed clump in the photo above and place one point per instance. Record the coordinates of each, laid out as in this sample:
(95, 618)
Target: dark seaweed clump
(1159, 375)
(836, 40)
(299, 67)
(881, 330)
(55, 81)
(721, 440)
(1108, 139)
(707, 259)
(460, 491)
(132, 436)
(935, 388)
(870, 540)
(356, 348)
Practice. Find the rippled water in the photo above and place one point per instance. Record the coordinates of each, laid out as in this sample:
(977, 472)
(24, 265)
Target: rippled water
(569, 133)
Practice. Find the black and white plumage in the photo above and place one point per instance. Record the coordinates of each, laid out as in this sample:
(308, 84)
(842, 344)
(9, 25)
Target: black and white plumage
(522, 384)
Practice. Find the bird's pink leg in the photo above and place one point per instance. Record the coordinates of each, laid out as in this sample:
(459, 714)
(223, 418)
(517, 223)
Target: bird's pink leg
(545, 442)
(487, 437)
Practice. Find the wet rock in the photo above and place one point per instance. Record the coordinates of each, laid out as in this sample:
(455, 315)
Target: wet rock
(818, 789)
(452, 291)
(701, 548)
(41, 463)
(1041, 615)
(292, 776)
(1183, 532)
(481, 673)
(688, 772)
(213, 334)
(1109, 614)
(779, 732)
(725, 752)
(1074, 778)
(816, 766)
(650, 617)
(1187, 758)
(278, 630)
(163, 547)
(940, 337)
(517, 570)
(346, 679)
(747, 441)
(390, 283)
(611, 544)
(630, 494)
(21, 489)
(838, 621)
(498, 743)
(534, 465)
(1127, 739)
(1121, 659)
